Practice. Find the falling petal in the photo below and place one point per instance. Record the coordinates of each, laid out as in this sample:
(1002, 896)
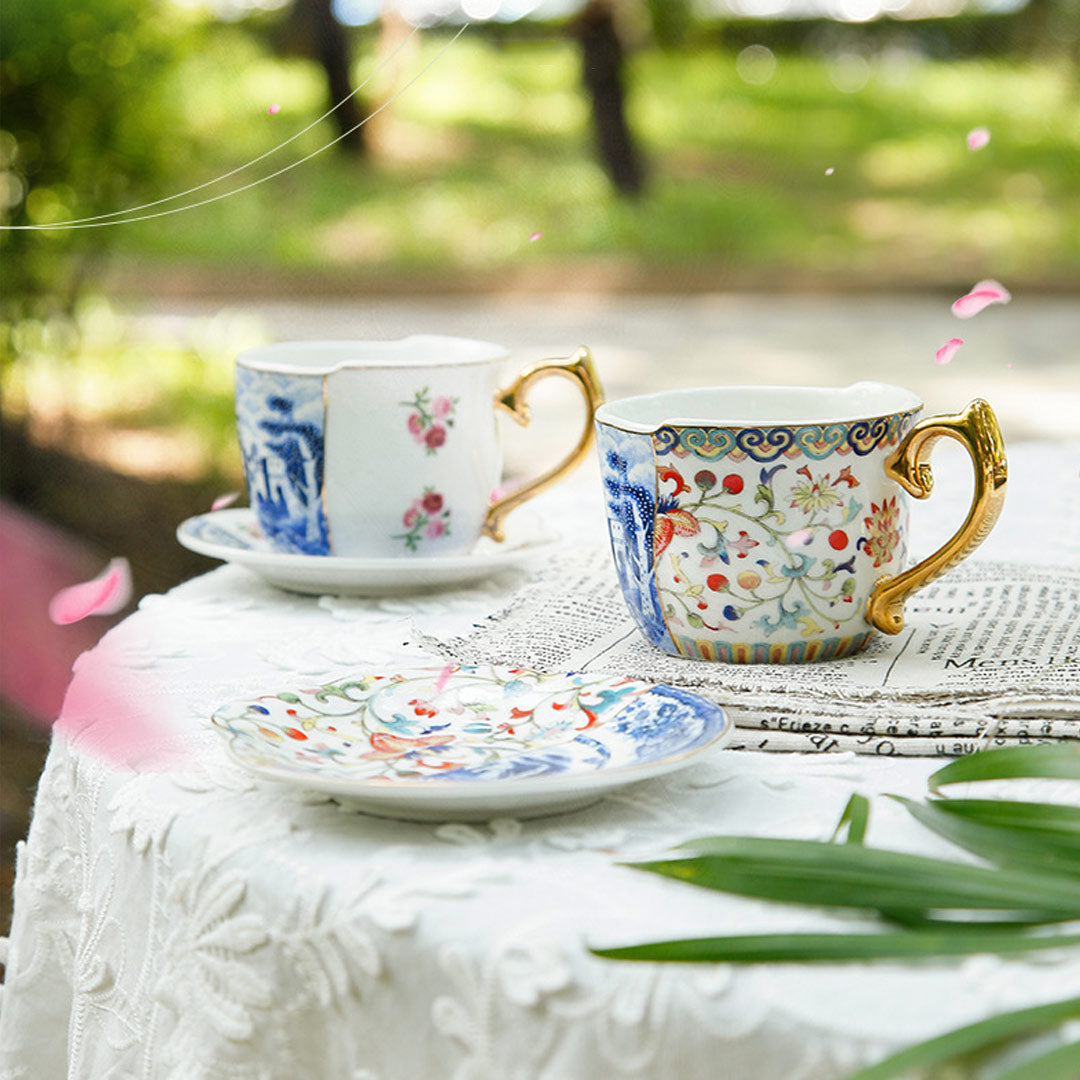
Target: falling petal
(535, 236)
(977, 138)
(1009, 366)
(983, 294)
(121, 714)
(274, 110)
(105, 595)
(799, 538)
(444, 678)
(224, 500)
(948, 350)
(829, 171)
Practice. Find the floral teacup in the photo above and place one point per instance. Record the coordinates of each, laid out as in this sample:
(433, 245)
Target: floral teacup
(381, 449)
(769, 524)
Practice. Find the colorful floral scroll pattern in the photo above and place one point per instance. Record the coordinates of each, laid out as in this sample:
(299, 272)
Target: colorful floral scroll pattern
(725, 563)
(467, 723)
(430, 419)
(427, 518)
(816, 441)
(755, 564)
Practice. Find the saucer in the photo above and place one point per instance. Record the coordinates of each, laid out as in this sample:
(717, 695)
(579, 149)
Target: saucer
(234, 535)
(470, 742)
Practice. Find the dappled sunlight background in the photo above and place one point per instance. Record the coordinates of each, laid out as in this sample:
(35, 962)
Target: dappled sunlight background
(804, 178)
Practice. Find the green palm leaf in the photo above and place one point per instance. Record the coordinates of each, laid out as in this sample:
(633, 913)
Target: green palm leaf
(1046, 849)
(831, 948)
(981, 1036)
(851, 876)
(1049, 760)
(1061, 1063)
(947, 908)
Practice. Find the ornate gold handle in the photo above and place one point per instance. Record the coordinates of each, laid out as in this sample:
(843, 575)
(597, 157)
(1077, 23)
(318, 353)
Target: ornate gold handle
(579, 368)
(976, 428)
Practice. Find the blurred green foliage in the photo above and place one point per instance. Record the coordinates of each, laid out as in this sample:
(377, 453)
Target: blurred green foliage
(837, 158)
(493, 144)
(118, 102)
(84, 129)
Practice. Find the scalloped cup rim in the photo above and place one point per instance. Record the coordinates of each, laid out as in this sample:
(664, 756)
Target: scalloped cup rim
(324, 357)
(644, 414)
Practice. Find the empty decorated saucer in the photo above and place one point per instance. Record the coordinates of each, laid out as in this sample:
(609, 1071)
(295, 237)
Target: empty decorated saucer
(234, 535)
(470, 742)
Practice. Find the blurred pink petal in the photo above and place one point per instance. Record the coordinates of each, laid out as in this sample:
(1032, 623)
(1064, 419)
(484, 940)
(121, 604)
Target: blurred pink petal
(799, 538)
(119, 713)
(105, 595)
(829, 171)
(982, 295)
(977, 138)
(224, 500)
(444, 678)
(535, 236)
(274, 109)
(948, 350)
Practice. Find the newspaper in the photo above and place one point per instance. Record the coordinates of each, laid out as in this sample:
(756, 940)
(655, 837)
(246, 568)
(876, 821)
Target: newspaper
(990, 655)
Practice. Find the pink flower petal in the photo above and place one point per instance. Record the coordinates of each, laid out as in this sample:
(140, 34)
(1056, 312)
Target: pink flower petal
(799, 538)
(120, 714)
(977, 138)
(444, 678)
(982, 295)
(274, 110)
(948, 350)
(105, 595)
(224, 500)
(829, 171)
(535, 236)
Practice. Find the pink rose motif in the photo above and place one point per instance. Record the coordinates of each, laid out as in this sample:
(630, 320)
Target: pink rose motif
(416, 426)
(433, 502)
(435, 437)
(435, 528)
(409, 520)
(441, 408)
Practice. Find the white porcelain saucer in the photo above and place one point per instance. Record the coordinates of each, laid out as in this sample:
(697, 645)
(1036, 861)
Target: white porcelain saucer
(234, 536)
(470, 742)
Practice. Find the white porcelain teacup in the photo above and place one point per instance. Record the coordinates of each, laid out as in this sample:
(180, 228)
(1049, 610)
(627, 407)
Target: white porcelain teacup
(383, 449)
(769, 524)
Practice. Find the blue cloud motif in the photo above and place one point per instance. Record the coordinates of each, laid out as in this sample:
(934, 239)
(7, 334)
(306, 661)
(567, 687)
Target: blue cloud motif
(629, 475)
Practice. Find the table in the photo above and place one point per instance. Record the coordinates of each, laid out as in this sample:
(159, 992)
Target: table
(195, 922)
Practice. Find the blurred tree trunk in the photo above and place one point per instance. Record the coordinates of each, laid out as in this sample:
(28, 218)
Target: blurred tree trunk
(603, 57)
(329, 45)
(1046, 27)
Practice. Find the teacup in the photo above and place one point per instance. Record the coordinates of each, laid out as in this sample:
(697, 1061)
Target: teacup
(381, 449)
(756, 524)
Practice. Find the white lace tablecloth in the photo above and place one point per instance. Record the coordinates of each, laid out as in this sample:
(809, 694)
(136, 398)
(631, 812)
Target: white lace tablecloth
(199, 923)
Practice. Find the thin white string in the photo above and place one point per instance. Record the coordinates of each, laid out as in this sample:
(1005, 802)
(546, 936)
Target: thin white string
(246, 165)
(96, 223)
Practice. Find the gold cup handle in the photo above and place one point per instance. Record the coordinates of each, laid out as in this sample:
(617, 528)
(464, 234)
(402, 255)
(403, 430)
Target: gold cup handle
(579, 369)
(976, 428)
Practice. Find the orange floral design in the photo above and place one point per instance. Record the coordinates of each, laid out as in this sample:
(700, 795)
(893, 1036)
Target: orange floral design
(883, 527)
(673, 523)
